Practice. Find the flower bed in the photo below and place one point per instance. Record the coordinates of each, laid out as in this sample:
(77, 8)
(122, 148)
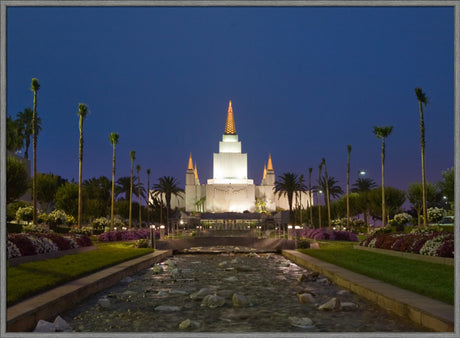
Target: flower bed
(325, 234)
(439, 244)
(27, 244)
(126, 235)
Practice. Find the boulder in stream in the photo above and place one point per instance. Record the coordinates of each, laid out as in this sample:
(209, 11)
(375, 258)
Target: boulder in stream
(301, 322)
(199, 295)
(331, 304)
(213, 301)
(44, 326)
(239, 300)
(189, 324)
(306, 298)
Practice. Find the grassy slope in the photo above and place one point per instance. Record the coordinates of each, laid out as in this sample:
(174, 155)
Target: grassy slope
(28, 279)
(429, 279)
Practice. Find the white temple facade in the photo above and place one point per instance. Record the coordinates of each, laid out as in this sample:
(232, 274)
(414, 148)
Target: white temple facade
(230, 190)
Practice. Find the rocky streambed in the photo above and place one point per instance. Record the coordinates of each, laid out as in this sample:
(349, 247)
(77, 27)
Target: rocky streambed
(230, 292)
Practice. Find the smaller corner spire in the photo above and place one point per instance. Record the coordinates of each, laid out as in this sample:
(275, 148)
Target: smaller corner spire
(265, 172)
(190, 163)
(270, 164)
(196, 172)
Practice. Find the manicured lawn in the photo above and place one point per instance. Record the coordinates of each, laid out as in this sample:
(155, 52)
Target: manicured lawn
(28, 279)
(429, 279)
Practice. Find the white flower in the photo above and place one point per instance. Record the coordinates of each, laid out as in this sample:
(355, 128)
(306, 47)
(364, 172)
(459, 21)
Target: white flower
(13, 250)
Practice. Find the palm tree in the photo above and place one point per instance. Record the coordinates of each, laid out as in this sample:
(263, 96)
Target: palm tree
(148, 196)
(35, 86)
(309, 194)
(363, 186)
(82, 112)
(348, 185)
(287, 185)
(422, 100)
(382, 133)
(167, 186)
(335, 190)
(132, 154)
(113, 138)
(328, 199)
(320, 168)
(138, 169)
(299, 190)
(26, 120)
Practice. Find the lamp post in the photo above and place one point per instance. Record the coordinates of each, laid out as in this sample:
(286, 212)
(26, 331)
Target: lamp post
(162, 232)
(152, 236)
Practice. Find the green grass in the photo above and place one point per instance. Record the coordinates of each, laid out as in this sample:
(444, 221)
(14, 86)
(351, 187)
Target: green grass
(436, 281)
(29, 279)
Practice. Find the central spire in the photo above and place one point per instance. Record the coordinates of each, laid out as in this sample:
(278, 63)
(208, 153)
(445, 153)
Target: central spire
(230, 125)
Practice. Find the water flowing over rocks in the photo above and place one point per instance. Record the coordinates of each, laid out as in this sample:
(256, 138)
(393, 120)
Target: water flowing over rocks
(248, 293)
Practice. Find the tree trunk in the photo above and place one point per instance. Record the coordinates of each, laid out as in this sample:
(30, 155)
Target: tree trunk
(80, 168)
(113, 188)
(422, 145)
(131, 196)
(348, 188)
(383, 181)
(34, 145)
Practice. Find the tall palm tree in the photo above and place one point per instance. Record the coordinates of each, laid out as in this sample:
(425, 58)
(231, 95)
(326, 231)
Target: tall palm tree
(320, 168)
(363, 186)
(422, 100)
(348, 185)
(82, 112)
(26, 120)
(328, 199)
(148, 196)
(299, 190)
(132, 154)
(138, 169)
(167, 186)
(287, 185)
(113, 138)
(309, 194)
(35, 86)
(382, 133)
(335, 190)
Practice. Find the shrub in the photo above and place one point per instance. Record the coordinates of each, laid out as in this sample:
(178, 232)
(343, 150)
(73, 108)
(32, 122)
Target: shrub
(57, 217)
(23, 243)
(426, 243)
(43, 244)
(33, 228)
(13, 228)
(12, 208)
(124, 235)
(325, 234)
(402, 218)
(141, 243)
(25, 214)
(434, 214)
(85, 230)
(100, 223)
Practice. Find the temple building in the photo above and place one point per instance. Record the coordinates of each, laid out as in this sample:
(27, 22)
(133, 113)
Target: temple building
(230, 190)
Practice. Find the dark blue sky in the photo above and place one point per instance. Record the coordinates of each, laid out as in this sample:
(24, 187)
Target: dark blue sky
(304, 83)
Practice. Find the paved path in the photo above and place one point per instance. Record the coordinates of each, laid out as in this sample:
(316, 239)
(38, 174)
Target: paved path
(427, 312)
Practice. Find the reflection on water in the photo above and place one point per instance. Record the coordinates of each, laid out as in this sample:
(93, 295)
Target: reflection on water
(164, 298)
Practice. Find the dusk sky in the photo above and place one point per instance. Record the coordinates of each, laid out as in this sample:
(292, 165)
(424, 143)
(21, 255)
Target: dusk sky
(304, 82)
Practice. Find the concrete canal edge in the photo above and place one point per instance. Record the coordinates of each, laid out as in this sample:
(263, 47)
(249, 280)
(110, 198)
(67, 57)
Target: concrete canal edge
(25, 315)
(424, 311)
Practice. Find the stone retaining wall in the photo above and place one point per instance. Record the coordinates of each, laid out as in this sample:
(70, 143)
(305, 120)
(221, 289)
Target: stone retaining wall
(32, 258)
